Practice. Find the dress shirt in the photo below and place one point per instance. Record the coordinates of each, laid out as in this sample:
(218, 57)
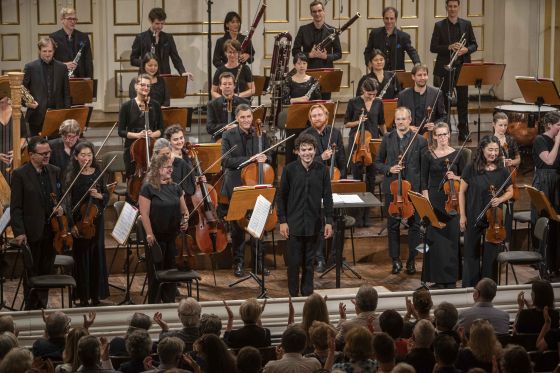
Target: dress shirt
(292, 362)
(499, 319)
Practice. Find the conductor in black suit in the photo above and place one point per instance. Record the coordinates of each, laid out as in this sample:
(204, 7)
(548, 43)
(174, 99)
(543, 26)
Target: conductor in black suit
(160, 43)
(391, 41)
(70, 41)
(445, 41)
(47, 81)
(31, 206)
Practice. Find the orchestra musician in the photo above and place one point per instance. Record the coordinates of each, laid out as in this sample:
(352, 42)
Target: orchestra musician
(417, 99)
(132, 121)
(392, 41)
(47, 81)
(89, 252)
(384, 78)
(246, 145)
(442, 259)
(243, 82)
(164, 213)
(176, 137)
(158, 88)
(445, 41)
(6, 128)
(221, 110)
(486, 170)
(181, 169)
(30, 206)
(156, 41)
(387, 159)
(69, 42)
(232, 27)
(63, 146)
(305, 183)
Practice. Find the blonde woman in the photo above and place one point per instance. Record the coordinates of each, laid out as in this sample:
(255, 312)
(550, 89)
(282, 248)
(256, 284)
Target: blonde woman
(482, 346)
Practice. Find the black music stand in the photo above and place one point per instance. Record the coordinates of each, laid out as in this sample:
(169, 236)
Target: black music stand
(539, 91)
(478, 74)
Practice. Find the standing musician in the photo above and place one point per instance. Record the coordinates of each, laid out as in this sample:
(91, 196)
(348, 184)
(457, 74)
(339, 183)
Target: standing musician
(132, 122)
(176, 137)
(158, 88)
(232, 25)
(63, 146)
(71, 41)
(486, 170)
(392, 147)
(246, 142)
(30, 206)
(243, 82)
(373, 122)
(160, 43)
(417, 99)
(221, 110)
(6, 128)
(88, 228)
(442, 260)
(392, 41)
(164, 212)
(304, 184)
(47, 81)
(446, 41)
(310, 35)
(180, 168)
(386, 79)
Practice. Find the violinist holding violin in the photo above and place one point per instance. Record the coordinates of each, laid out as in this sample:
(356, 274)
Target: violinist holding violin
(88, 227)
(484, 173)
(389, 161)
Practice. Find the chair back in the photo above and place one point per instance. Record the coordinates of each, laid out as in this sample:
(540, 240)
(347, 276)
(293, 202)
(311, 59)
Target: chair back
(541, 228)
(118, 163)
(118, 205)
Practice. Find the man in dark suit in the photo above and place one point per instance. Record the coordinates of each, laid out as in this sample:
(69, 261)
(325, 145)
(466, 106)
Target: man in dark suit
(160, 43)
(71, 41)
(247, 145)
(445, 41)
(391, 41)
(47, 81)
(418, 98)
(31, 206)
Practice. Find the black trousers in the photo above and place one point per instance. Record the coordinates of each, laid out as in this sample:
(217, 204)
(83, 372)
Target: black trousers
(169, 251)
(300, 253)
(394, 232)
(238, 238)
(473, 269)
(462, 100)
(43, 254)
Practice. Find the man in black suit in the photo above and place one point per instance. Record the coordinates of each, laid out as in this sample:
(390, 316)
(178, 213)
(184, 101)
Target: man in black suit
(71, 41)
(445, 41)
(160, 43)
(31, 206)
(391, 41)
(418, 98)
(47, 81)
(247, 146)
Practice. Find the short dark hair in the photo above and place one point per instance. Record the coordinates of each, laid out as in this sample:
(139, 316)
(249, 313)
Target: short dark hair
(390, 8)
(487, 288)
(515, 359)
(420, 67)
(169, 348)
(89, 350)
(316, 2)
(384, 348)
(232, 43)
(447, 2)
(242, 107)
(392, 323)
(210, 324)
(294, 339)
(7, 324)
(543, 294)
(550, 118)
(230, 16)
(140, 320)
(34, 141)
(147, 58)
(446, 316)
(57, 324)
(171, 130)
(157, 13)
(445, 349)
(300, 56)
(366, 298)
(249, 360)
(138, 344)
(370, 85)
(422, 300)
(305, 138)
(225, 74)
(377, 52)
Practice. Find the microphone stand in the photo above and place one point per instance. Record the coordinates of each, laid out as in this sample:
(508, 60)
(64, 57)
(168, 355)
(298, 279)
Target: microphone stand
(209, 55)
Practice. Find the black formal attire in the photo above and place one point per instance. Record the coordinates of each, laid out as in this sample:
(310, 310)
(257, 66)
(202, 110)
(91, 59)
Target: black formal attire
(309, 36)
(68, 47)
(165, 216)
(131, 119)
(393, 88)
(132, 366)
(30, 207)
(6, 132)
(164, 49)
(59, 157)
(299, 205)
(511, 152)
(218, 115)
(387, 156)
(418, 103)
(446, 33)
(219, 57)
(51, 348)
(248, 335)
(158, 91)
(180, 170)
(48, 84)
(393, 46)
(466, 361)
(442, 259)
(531, 320)
(422, 359)
(241, 83)
(477, 197)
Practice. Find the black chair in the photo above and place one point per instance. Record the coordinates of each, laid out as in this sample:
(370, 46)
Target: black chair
(545, 361)
(524, 217)
(527, 340)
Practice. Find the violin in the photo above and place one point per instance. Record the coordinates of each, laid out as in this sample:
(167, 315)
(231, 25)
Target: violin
(88, 212)
(334, 172)
(362, 153)
(451, 189)
(513, 171)
(401, 206)
(63, 240)
(496, 232)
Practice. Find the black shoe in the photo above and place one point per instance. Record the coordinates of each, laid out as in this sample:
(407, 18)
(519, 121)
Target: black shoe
(397, 267)
(266, 271)
(238, 271)
(320, 267)
(410, 267)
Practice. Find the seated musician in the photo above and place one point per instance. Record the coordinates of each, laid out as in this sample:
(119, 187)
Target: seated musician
(6, 128)
(158, 88)
(244, 86)
(387, 80)
(180, 168)
(246, 142)
(221, 110)
(63, 146)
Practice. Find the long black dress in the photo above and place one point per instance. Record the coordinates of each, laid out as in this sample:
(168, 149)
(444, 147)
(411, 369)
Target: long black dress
(442, 259)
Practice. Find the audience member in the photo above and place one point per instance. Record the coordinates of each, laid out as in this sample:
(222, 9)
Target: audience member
(384, 352)
(18, 360)
(57, 324)
(515, 359)
(94, 356)
(365, 305)
(446, 350)
(251, 333)
(419, 309)
(70, 353)
(529, 317)
(138, 346)
(420, 355)
(358, 349)
(446, 317)
(7, 324)
(170, 351)
(314, 309)
(189, 314)
(216, 358)
(320, 333)
(481, 347)
(249, 360)
(210, 324)
(403, 368)
(7, 342)
(293, 344)
(391, 322)
(548, 339)
(139, 320)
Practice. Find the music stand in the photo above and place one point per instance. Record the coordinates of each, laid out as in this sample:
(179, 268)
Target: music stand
(329, 79)
(389, 106)
(374, 145)
(259, 82)
(53, 119)
(539, 91)
(176, 85)
(542, 203)
(405, 78)
(478, 74)
(242, 201)
(81, 91)
(427, 218)
(208, 153)
(175, 115)
(298, 113)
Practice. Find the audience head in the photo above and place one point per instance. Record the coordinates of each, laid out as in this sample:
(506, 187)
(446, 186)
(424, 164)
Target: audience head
(391, 322)
(210, 324)
(446, 316)
(314, 309)
(140, 321)
(319, 334)
(7, 324)
(542, 294)
(215, 354)
(485, 290)
(424, 334)
(358, 344)
(384, 348)
(366, 299)
(170, 350)
(8, 341)
(445, 350)
(189, 312)
(250, 311)
(139, 344)
(294, 339)
(403, 368)
(515, 359)
(422, 301)
(70, 353)
(89, 351)
(57, 324)
(18, 360)
(483, 341)
(249, 360)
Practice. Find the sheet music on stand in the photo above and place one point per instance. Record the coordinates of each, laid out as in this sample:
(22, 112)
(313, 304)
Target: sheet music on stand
(258, 217)
(124, 224)
(346, 198)
(5, 220)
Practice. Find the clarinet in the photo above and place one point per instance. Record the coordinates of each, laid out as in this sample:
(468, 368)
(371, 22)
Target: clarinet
(384, 90)
(76, 59)
(312, 89)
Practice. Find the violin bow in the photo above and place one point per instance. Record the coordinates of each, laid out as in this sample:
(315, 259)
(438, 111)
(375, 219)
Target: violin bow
(263, 152)
(454, 160)
(212, 187)
(67, 190)
(498, 192)
(106, 138)
(209, 167)
(354, 142)
(94, 183)
(332, 123)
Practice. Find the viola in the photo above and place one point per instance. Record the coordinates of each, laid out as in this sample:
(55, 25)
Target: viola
(362, 152)
(401, 206)
(496, 232)
(88, 212)
(63, 240)
(513, 171)
(334, 172)
(451, 189)
(428, 135)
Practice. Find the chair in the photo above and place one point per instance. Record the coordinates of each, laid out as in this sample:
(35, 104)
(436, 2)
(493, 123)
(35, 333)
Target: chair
(544, 361)
(527, 340)
(526, 257)
(117, 166)
(524, 217)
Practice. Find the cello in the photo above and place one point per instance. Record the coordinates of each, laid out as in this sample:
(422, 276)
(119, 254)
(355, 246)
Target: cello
(496, 232)
(451, 189)
(362, 153)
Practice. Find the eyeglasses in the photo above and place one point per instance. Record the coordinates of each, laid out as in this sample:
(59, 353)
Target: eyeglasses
(44, 154)
(441, 134)
(71, 19)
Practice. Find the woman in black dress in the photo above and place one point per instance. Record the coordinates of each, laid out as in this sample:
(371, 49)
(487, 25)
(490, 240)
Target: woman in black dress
(164, 213)
(486, 170)
(442, 262)
(244, 86)
(88, 251)
(232, 25)
(376, 71)
(158, 89)
(180, 168)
